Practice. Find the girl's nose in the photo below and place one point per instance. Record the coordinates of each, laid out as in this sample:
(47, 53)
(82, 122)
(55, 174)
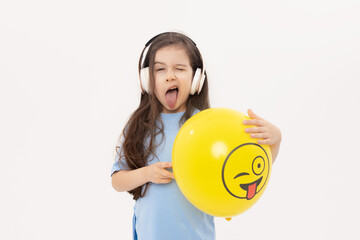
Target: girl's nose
(170, 75)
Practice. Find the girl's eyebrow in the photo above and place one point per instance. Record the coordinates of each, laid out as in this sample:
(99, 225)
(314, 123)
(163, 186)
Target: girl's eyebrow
(183, 65)
(179, 64)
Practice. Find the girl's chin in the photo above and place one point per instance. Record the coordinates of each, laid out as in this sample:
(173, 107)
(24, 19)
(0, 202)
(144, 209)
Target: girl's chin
(174, 109)
(167, 110)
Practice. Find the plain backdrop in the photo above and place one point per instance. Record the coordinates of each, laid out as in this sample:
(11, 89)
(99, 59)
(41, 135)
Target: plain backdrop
(69, 82)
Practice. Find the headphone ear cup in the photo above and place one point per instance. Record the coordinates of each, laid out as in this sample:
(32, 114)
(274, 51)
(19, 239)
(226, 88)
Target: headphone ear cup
(145, 80)
(201, 82)
(196, 81)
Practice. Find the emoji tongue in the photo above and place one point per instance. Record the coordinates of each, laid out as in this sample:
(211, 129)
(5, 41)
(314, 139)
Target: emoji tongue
(171, 97)
(251, 191)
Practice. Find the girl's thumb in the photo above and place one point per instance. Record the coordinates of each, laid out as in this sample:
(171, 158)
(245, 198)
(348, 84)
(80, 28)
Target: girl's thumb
(166, 164)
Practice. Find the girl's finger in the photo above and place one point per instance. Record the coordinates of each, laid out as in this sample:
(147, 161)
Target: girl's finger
(165, 164)
(253, 115)
(256, 122)
(164, 180)
(255, 130)
(259, 135)
(167, 174)
(265, 142)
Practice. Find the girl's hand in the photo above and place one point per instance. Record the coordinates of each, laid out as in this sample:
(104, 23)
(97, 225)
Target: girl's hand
(266, 132)
(156, 173)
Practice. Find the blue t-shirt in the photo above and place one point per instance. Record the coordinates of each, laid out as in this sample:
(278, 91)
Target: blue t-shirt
(164, 213)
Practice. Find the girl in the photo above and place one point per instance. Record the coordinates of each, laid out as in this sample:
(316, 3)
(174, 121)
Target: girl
(174, 87)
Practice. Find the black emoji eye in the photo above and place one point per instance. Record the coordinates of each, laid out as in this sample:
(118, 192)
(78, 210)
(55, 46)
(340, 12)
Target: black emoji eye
(258, 165)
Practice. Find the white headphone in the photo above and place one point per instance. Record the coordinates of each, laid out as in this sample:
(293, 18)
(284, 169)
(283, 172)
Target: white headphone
(197, 83)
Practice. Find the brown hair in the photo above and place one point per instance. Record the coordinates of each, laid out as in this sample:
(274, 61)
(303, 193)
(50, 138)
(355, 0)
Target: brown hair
(142, 124)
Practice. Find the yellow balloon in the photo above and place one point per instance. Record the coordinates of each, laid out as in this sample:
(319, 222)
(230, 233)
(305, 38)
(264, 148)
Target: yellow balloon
(218, 167)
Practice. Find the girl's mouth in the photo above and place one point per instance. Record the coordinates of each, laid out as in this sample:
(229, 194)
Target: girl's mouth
(171, 96)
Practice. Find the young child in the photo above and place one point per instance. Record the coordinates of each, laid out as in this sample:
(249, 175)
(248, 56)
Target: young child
(174, 87)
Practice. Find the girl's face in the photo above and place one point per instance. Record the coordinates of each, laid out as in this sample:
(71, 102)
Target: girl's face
(173, 77)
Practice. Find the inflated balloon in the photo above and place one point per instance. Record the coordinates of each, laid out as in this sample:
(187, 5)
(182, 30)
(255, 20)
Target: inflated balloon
(218, 167)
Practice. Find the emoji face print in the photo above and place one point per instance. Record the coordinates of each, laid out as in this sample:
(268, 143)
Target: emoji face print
(217, 166)
(245, 171)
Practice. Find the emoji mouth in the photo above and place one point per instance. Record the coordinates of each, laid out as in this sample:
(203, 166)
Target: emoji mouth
(251, 188)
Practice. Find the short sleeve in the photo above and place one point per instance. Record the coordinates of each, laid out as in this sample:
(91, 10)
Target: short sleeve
(120, 163)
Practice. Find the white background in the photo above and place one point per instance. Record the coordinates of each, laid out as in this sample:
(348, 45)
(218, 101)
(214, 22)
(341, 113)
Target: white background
(69, 82)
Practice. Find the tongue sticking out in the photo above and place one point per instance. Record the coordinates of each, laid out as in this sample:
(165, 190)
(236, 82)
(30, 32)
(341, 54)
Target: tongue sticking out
(171, 97)
(251, 191)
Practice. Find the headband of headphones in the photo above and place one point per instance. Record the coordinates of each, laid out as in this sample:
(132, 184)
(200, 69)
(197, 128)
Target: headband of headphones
(198, 80)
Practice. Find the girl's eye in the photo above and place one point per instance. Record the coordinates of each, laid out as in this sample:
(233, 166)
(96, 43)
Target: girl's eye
(180, 69)
(160, 69)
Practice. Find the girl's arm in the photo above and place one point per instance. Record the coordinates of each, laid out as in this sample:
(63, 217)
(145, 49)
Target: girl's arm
(275, 150)
(126, 180)
(266, 132)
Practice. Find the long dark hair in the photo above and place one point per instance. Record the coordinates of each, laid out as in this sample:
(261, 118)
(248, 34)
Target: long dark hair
(142, 123)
